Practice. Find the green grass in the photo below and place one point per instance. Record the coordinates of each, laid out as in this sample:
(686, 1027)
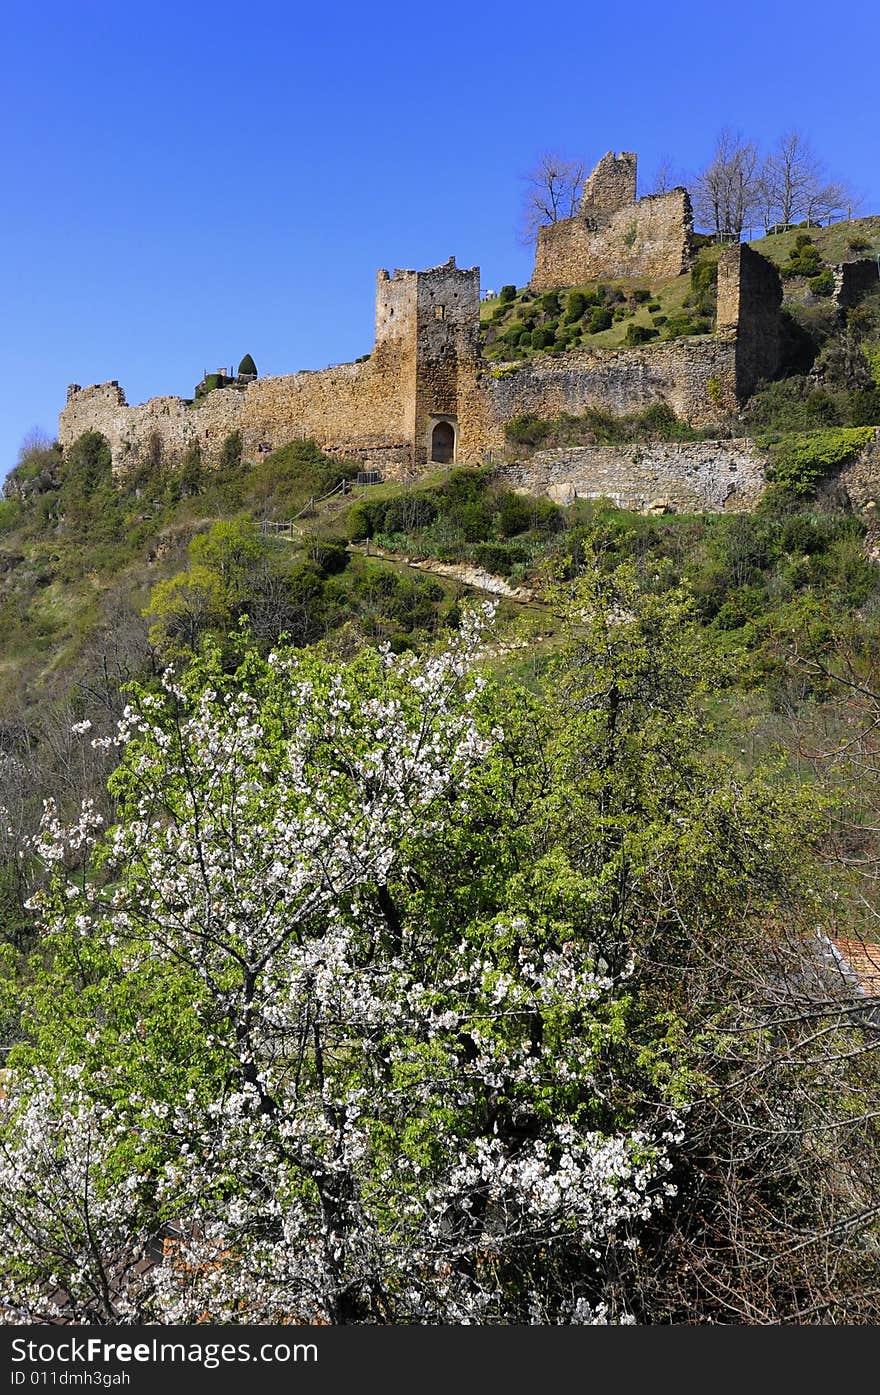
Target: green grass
(671, 296)
(831, 241)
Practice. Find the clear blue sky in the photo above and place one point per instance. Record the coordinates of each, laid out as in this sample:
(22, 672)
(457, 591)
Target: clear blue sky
(186, 183)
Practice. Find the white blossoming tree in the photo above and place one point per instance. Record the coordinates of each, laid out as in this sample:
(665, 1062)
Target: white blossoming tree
(317, 1033)
(393, 996)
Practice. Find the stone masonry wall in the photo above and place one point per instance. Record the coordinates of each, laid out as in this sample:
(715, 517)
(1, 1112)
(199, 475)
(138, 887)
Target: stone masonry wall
(749, 299)
(852, 280)
(860, 478)
(695, 376)
(366, 411)
(611, 186)
(354, 409)
(692, 476)
(649, 239)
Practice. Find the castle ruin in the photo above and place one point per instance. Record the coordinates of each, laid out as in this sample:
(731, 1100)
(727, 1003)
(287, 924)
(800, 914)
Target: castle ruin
(614, 234)
(425, 394)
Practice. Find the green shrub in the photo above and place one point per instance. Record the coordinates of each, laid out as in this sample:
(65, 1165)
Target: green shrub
(600, 319)
(653, 306)
(507, 293)
(864, 407)
(366, 518)
(801, 460)
(10, 513)
(640, 334)
(329, 558)
(792, 404)
(682, 324)
(804, 258)
(823, 284)
(802, 534)
(541, 338)
(641, 294)
(704, 287)
(858, 243)
(514, 514)
(499, 558)
(527, 430)
(514, 332)
(191, 469)
(660, 319)
(575, 305)
(550, 302)
(86, 464)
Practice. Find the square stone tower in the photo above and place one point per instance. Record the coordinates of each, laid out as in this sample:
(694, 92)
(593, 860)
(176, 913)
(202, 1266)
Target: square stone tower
(428, 337)
(610, 187)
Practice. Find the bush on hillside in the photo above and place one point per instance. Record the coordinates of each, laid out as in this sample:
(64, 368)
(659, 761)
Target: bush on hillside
(823, 284)
(640, 334)
(575, 305)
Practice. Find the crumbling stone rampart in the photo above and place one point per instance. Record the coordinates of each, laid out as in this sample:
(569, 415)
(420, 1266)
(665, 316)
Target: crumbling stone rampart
(749, 300)
(695, 376)
(615, 235)
(691, 476)
(852, 280)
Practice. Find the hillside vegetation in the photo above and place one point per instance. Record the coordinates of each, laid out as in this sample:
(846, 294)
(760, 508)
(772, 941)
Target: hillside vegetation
(379, 954)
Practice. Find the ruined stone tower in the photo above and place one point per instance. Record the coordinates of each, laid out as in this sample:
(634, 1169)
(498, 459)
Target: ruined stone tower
(610, 187)
(614, 234)
(427, 333)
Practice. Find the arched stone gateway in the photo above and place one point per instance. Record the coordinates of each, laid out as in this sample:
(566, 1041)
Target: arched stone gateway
(443, 443)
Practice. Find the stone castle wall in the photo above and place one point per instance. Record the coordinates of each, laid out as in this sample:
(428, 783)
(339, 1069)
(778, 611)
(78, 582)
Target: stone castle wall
(615, 235)
(852, 280)
(611, 186)
(380, 411)
(692, 476)
(695, 376)
(352, 409)
(749, 300)
(860, 478)
(367, 412)
(649, 239)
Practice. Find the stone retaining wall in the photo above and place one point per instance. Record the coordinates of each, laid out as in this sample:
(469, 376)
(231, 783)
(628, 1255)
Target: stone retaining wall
(690, 477)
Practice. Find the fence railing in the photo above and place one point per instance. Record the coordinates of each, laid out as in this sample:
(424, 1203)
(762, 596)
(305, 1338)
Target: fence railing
(287, 527)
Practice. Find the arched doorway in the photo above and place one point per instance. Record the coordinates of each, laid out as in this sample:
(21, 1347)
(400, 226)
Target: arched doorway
(443, 443)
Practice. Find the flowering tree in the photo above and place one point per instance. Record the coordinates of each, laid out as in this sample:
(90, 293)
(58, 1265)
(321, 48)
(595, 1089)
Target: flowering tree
(391, 996)
(317, 1026)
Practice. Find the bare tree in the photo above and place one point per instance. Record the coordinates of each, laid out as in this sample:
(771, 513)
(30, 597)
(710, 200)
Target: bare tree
(665, 177)
(794, 184)
(553, 189)
(727, 191)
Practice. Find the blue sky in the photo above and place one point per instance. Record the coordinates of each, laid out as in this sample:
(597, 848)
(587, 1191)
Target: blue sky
(186, 183)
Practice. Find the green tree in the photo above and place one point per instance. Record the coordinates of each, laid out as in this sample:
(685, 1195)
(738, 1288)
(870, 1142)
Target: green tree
(234, 549)
(185, 607)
